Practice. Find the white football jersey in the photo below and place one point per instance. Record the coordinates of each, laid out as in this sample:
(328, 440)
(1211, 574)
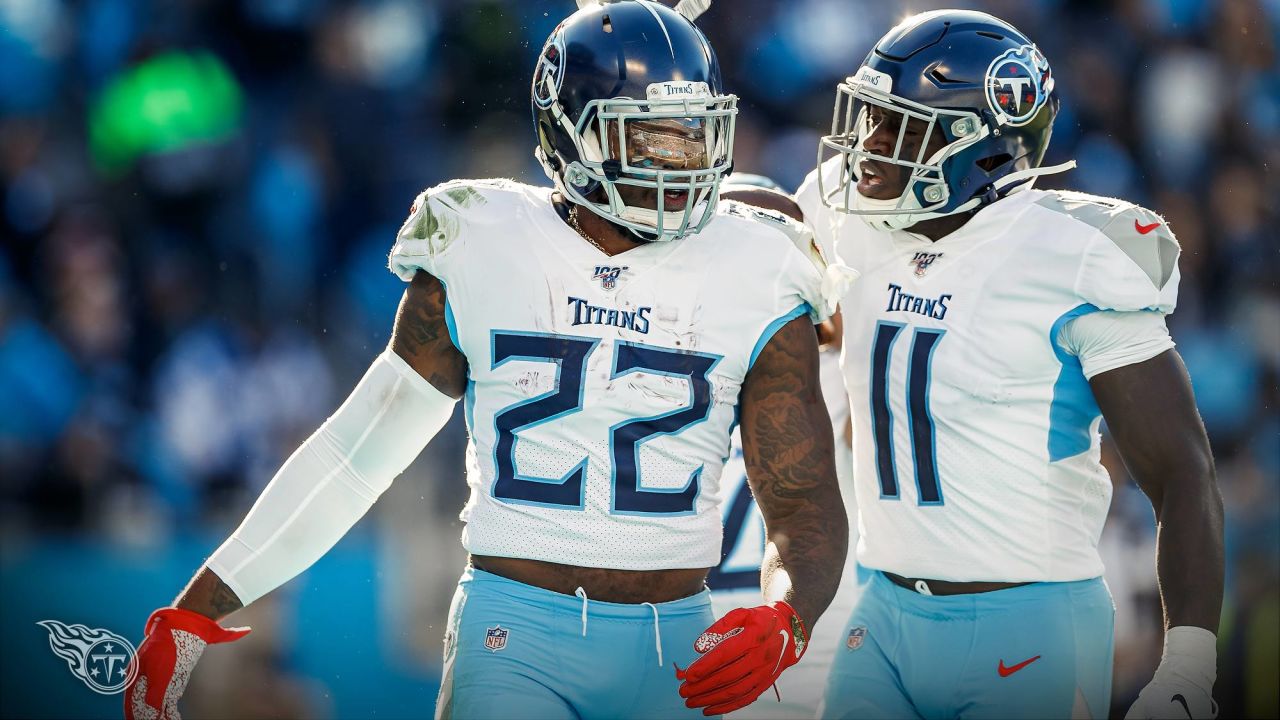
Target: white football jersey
(602, 390)
(976, 436)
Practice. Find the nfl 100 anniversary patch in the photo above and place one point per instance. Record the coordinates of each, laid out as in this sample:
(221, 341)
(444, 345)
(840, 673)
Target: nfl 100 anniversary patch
(608, 275)
(922, 261)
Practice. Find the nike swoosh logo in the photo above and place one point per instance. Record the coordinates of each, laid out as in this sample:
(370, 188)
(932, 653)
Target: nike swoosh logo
(1144, 229)
(1007, 671)
(785, 639)
(1179, 698)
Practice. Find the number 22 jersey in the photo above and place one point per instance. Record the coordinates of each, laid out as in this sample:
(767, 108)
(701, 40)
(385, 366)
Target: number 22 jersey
(602, 390)
(976, 438)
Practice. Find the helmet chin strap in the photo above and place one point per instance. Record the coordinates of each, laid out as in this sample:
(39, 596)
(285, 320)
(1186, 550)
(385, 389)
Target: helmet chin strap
(647, 217)
(1013, 181)
(1007, 185)
(640, 222)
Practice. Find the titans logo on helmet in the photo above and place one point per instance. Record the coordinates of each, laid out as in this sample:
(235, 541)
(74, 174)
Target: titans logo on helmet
(1018, 84)
(549, 75)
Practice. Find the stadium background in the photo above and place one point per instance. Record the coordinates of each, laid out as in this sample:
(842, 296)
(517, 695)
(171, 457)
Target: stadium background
(197, 202)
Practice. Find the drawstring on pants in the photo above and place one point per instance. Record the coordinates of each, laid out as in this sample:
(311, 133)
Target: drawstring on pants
(657, 632)
(583, 594)
(657, 626)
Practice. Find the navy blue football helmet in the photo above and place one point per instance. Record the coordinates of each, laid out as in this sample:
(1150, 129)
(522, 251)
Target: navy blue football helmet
(629, 93)
(973, 78)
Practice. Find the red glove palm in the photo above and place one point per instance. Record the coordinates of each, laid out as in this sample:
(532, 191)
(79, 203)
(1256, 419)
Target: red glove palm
(173, 642)
(743, 653)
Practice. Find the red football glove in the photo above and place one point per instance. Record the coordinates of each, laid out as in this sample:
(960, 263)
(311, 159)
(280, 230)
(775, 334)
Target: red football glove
(172, 644)
(743, 653)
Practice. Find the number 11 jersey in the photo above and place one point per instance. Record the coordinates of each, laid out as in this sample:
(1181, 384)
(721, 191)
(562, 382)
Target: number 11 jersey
(976, 438)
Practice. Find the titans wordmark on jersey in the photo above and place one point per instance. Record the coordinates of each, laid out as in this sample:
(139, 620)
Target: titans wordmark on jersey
(601, 390)
(976, 433)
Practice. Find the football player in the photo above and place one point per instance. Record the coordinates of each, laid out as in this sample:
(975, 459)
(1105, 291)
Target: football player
(992, 328)
(605, 336)
(736, 581)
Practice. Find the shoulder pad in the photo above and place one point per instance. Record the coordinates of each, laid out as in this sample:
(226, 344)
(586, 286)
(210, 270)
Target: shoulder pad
(800, 234)
(437, 213)
(1137, 232)
(437, 209)
(833, 280)
(436, 223)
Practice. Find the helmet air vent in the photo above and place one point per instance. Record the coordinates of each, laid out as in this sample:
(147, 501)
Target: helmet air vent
(937, 77)
(992, 35)
(608, 24)
(995, 161)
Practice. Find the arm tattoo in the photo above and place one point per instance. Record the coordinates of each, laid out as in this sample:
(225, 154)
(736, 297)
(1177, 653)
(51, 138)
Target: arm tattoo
(421, 336)
(789, 448)
(224, 600)
(208, 595)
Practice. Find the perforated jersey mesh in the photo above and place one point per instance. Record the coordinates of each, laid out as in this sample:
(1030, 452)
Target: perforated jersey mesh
(515, 268)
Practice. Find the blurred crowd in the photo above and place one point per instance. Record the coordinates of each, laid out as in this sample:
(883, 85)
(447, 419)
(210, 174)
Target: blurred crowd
(197, 199)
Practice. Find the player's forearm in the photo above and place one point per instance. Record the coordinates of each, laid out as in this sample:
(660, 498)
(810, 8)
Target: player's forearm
(332, 479)
(1151, 411)
(1189, 552)
(805, 555)
(790, 457)
(208, 595)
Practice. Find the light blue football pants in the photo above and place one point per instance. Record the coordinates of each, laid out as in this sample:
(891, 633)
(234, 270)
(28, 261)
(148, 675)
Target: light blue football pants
(1042, 650)
(518, 652)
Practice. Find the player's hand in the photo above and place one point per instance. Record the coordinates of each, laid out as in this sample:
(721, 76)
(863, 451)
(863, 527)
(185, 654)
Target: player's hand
(742, 654)
(1183, 684)
(172, 644)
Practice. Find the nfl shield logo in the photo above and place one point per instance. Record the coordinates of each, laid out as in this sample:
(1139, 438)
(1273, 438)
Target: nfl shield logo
(856, 636)
(495, 638)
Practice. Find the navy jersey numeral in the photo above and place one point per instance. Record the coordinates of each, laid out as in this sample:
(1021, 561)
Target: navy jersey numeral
(924, 452)
(625, 439)
(570, 355)
(742, 509)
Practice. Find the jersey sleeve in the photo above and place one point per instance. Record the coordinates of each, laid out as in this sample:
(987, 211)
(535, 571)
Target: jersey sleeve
(435, 230)
(1131, 263)
(1107, 340)
(801, 284)
(802, 276)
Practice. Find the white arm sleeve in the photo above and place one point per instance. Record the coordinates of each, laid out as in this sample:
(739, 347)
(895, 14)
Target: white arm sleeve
(333, 479)
(1108, 339)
